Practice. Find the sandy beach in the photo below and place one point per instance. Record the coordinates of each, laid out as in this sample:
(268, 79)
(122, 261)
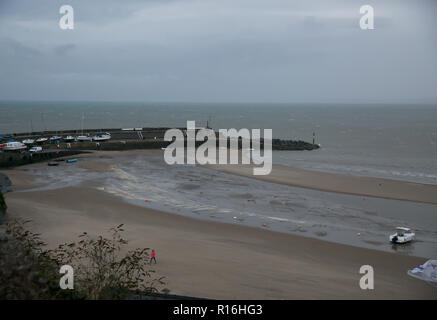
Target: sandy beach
(113, 115)
(213, 259)
(342, 183)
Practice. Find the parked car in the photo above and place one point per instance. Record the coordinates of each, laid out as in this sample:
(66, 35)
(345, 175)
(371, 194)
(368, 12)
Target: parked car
(35, 149)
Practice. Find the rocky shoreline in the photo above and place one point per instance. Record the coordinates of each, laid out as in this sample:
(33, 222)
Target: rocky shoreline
(5, 186)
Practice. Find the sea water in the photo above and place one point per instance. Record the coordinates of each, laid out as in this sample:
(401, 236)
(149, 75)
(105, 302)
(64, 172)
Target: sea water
(389, 141)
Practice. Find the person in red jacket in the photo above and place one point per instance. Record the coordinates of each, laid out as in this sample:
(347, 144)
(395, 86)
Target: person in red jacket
(153, 257)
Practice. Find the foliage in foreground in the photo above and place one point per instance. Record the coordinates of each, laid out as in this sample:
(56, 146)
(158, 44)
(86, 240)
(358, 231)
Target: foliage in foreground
(101, 271)
(3, 206)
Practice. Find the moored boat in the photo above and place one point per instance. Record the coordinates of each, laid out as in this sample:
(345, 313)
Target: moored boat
(102, 137)
(13, 146)
(69, 139)
(55, 138)
(29, 141)
(402, 235)
(83, 138)
(41, 140)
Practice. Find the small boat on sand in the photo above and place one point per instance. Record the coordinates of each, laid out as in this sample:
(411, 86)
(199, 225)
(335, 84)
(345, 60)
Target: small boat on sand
(83, 138)
(402, 235)
(29, 141)
(53, 164)
(55, 138)
(69, 139)
(42, 140)
(102, 137)
(71, 160)
(13, 146)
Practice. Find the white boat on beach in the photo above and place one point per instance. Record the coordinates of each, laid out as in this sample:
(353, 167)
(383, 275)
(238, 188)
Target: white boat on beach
(13, 146)
(69, 139)
(42, 140)
(84, 138)
(55, 138)
(402, 235)
(102, 137)
(29, 141)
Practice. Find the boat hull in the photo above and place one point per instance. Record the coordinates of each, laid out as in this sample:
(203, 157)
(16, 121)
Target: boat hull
(401, 239)
(83, 139)
(13, 146)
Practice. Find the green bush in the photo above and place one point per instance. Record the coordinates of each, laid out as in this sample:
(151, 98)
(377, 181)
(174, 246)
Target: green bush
(28, 271)
(101, 272)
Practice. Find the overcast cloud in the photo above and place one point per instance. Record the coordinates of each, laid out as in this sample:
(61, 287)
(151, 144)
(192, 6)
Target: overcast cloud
(219, 51)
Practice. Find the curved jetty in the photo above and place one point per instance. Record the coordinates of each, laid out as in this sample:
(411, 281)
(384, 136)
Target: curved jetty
(121, 139)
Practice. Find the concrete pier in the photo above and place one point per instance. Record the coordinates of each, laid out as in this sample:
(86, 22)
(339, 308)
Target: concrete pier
(121, 139)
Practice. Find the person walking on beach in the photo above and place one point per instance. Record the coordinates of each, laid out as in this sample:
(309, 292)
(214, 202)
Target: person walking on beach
(153, 257)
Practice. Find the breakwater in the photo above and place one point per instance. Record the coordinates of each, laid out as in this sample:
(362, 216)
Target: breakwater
(121, 139)
(129, 138)
(119, 145)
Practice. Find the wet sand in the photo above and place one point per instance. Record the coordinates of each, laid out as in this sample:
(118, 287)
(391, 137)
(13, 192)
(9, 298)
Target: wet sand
(341, 183)
(216, 260)
(323, 181)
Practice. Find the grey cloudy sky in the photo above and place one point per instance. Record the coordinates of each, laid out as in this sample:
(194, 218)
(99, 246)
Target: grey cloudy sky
(219, 51)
